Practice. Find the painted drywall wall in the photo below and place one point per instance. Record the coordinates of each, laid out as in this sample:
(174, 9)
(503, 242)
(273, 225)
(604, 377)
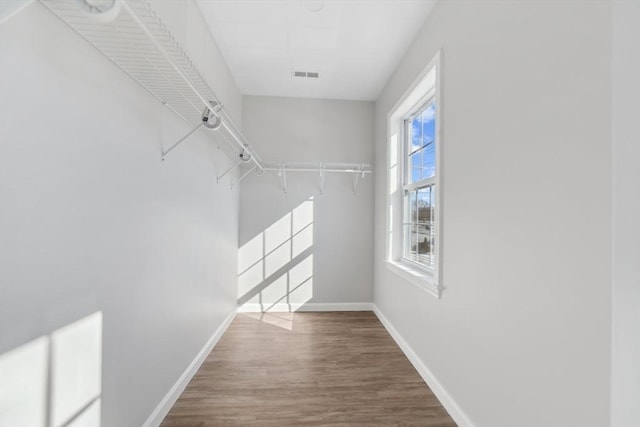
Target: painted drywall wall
(625, 386)
(91, 221)
(521, 336)
(320, 244)
(8, 8)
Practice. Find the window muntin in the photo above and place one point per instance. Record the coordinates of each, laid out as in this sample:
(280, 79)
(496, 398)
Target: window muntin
(419, 186)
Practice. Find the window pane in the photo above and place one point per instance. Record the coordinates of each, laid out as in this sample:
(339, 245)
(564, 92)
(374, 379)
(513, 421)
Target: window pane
(410, 226)
(415, 144)
(424, 204)
(409, 242)
(432, 229)
(425, 225)
(415, 164)
(406, 238)
(428, 141)
(420, 159)
(428, 160)
(421, 145)
(414, 200)
(429, 125)
(416, 134)
(412, 253)
(418, 229)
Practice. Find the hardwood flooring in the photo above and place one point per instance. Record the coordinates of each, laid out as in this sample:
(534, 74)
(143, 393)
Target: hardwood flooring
(307, 369)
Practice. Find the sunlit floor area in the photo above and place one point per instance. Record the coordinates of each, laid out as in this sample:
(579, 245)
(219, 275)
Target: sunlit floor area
(291, 369)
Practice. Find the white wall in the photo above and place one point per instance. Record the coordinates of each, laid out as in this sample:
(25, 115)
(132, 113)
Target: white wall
(521, 336)
(288, 129)
(625, 388)
(91, 220)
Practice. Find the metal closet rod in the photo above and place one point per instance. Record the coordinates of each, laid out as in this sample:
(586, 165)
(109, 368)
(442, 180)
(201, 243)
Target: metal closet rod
(283, 167)
(318, 170)
(357, 169)
(361, 168)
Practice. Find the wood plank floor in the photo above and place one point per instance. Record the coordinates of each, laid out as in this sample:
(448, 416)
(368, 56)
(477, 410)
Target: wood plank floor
(302, 369)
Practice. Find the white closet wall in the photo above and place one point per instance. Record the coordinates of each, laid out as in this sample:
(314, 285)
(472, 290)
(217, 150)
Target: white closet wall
(92, 221)
(317, 248)
(625, 385)
(522, 334)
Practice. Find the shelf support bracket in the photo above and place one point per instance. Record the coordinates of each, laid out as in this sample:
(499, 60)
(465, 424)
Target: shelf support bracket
(191, 132)
(357, 177)
(283, 172)
(246, 174)
(232, 167)
(321, 178)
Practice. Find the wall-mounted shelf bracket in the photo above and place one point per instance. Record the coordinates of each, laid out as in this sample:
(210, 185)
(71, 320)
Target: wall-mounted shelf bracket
(356, 178)
(232, 167)
(283, 173)
(181, 140)
(132, 36)
(210, 119)
(321, 178)
(246, 174)
(284, 176)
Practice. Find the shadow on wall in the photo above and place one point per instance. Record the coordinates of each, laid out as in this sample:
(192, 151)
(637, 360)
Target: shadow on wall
(275, 268)
(54, 380)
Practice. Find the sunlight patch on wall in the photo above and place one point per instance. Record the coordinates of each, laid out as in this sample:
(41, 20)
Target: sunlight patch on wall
(76, 368)
(58, 377)
(250, 253)
(301, 281)
(302, 216)
(251, 278)
(275, 268)
(289, 291)
(23, 384)
(277, 258)
(90, 417)
(277, 234)
(302, 241)
(276, 291)
(302, 228)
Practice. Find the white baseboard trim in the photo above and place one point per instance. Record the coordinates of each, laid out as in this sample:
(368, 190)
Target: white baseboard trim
(443, 396)
(174, 393)
(286, 308)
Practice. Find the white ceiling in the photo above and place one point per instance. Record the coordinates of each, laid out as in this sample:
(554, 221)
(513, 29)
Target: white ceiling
(354, 44)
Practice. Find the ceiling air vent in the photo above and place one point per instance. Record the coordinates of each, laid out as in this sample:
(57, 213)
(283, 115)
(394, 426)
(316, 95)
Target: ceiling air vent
(306, 74)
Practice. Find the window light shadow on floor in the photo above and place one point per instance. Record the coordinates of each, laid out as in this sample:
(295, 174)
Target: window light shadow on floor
(54, 380)
(282, 320)
(275, 268)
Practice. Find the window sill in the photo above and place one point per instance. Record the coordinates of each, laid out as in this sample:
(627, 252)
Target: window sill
(422, 280)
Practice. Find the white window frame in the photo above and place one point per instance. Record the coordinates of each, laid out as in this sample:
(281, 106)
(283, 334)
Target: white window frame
(425, 88)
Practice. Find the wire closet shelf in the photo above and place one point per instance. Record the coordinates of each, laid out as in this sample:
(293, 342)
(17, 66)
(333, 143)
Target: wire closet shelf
(132, 36)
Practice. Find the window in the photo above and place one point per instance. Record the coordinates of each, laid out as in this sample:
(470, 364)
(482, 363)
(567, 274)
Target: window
(419, 185)
(414, 166)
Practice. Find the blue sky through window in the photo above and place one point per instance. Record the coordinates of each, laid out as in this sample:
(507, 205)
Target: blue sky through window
(422, 150)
